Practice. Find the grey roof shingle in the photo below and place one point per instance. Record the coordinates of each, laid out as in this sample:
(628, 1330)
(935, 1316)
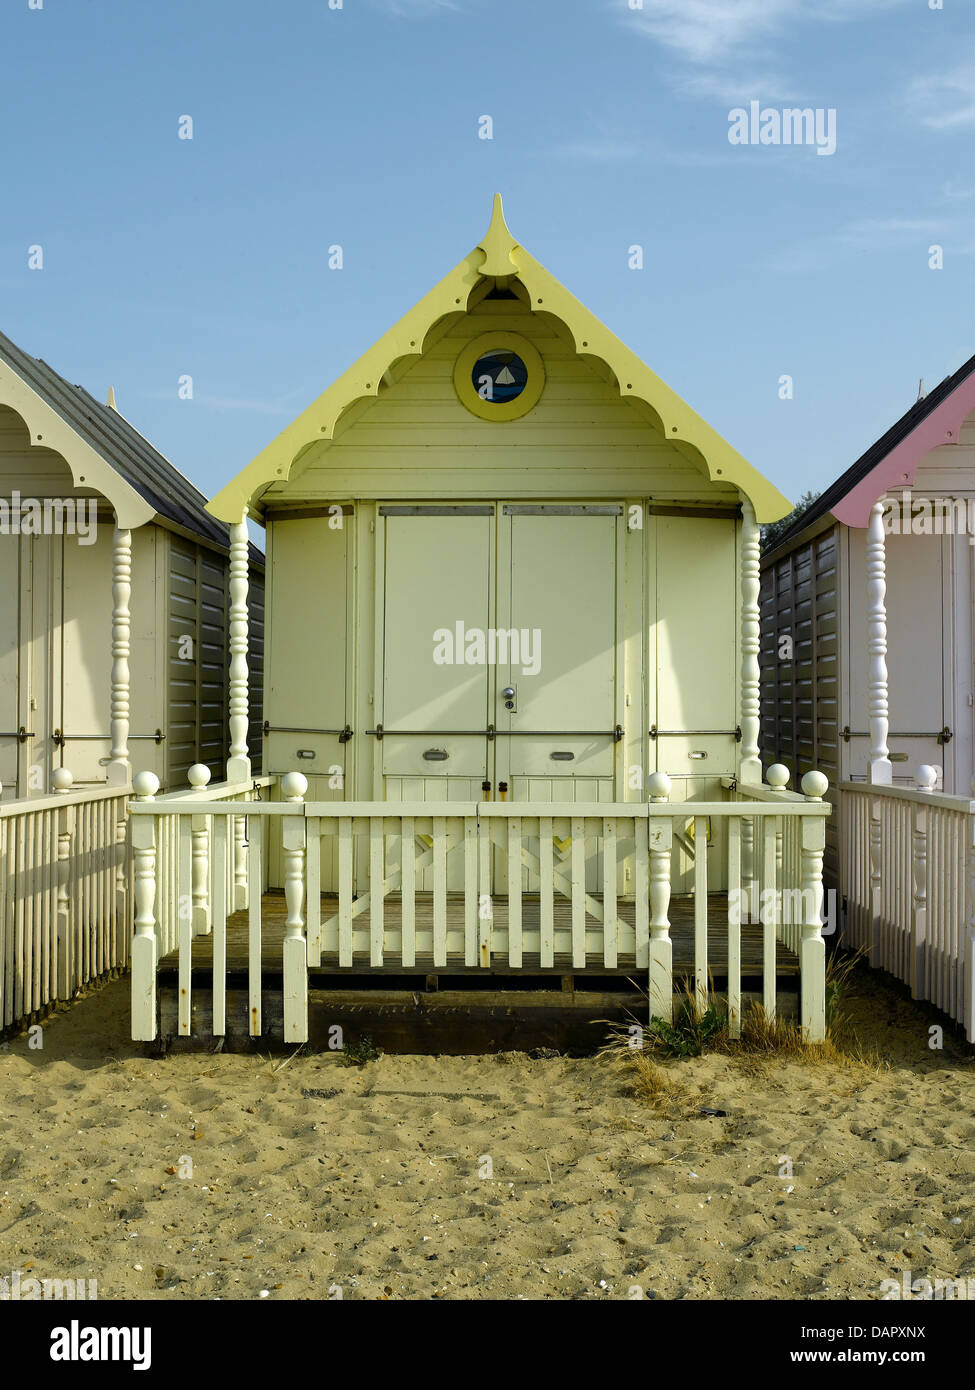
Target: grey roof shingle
(121, 446)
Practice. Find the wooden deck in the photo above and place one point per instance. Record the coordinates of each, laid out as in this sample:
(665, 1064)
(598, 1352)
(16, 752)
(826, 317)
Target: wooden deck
(682, 934)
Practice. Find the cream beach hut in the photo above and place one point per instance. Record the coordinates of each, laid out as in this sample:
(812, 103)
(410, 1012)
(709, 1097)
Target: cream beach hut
(113, 651)
(867, 673)
(113, 646)
(511, 690)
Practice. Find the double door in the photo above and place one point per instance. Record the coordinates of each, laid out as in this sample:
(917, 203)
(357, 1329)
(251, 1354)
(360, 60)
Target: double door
(499, 674)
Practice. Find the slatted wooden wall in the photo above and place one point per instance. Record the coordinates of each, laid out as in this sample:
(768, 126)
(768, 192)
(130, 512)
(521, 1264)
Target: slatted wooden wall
(800, 669)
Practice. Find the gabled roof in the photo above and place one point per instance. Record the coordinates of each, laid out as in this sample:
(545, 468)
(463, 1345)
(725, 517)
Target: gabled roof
(497, 257)
(141, 474)
(892, 461)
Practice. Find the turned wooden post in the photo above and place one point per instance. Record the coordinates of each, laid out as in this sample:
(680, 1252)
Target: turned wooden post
(241, 898)
(812, 948)
(879, 771)
(238, 764)
(661, 832)
(925, 779)
(198, 776)
(123, 870)
(120, 768)
(777, 778)
(750, 768)
(880, 767)
(65, 974)
(144, 785)
(294, 786)
(748, 883)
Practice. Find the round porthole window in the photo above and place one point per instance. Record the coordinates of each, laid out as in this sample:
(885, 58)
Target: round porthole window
(499, 376)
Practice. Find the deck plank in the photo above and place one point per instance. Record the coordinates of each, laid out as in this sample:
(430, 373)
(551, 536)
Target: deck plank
(274, 913)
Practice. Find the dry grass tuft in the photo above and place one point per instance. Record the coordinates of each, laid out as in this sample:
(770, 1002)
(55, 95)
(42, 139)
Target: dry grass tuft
(654, 1085)
(702, 1026)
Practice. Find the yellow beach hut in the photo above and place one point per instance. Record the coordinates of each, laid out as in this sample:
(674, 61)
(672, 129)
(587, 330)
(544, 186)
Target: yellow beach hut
(511, 685)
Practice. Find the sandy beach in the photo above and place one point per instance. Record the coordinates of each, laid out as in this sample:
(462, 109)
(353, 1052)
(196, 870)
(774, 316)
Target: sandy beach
(493, 1177)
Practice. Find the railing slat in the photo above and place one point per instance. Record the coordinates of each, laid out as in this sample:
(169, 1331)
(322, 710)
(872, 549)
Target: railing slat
(218, 851)
(769, 916)
(254, 846)
(734, 927)
(439, 890)
(610, 935)
(485, 906)
(345, 892)
(701, 912)
(376, 896)
(546, 891)
(295, 945)
(408, 889)
(184, 898)
(313, 903)
(641, 879)
(578, 832)
(470, 891)
(145, 845)
(19, 900)
(514, 891)
(37, 911)
(660, 984)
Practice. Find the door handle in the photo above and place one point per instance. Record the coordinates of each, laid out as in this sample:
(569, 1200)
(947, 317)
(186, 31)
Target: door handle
(683, 733)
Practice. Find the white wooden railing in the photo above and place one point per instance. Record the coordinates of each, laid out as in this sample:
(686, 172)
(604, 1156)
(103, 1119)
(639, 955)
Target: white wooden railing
(547, 852)
(199, 865)
(907, 873)
(65, 894)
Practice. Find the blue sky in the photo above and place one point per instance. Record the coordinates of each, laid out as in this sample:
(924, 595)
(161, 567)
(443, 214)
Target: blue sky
(359, 126)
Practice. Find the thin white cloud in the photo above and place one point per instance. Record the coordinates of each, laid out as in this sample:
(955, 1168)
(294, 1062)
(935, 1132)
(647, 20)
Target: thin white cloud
(418, 9)
(715, 32)
(868, 234)
(610, 148)
(731, 90)
(710, 31)
(242, 403)
(252, 404)
(876, 233)
(958, 190)
(944, 100)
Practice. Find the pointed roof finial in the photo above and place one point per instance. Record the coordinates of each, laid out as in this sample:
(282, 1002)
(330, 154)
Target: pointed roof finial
(498, 244)
(111, 399)
(921, 393)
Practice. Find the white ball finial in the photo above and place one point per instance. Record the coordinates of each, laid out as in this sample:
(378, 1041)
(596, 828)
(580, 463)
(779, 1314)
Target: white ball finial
(659, 785)
(145, 784)
(294, 785)
(926, 778)
(198, 775)
(61, 779)
(814, 785)
(778, 777)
